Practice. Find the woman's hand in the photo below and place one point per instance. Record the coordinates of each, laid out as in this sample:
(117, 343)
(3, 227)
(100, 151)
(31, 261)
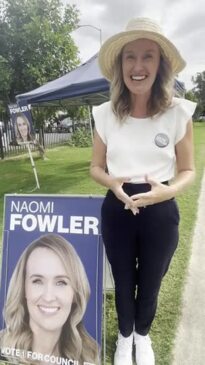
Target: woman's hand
(117, 188)
(158, 193)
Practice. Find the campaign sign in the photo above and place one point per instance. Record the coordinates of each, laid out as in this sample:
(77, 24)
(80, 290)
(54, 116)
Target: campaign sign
(45, 283)
(21, 119)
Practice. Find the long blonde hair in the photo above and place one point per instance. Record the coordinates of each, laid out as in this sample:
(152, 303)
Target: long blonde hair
(18, 135)
(74, 343)
(162, 90)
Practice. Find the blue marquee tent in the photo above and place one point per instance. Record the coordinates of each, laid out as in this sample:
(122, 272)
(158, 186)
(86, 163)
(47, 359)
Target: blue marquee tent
(83, 86)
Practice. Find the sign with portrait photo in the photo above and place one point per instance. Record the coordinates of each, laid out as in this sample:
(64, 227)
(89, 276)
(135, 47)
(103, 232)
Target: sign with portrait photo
(51, 280)
(21, 119)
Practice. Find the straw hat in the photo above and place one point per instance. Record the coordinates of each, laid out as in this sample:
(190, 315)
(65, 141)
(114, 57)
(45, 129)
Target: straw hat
(137, 29)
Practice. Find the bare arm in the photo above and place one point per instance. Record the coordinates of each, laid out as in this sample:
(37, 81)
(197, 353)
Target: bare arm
(98, 173)
(184, 176)
(98, 162)
(184, 161)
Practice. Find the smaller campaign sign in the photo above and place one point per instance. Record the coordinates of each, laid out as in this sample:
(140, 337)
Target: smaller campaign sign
(51, 279)
(22, 124)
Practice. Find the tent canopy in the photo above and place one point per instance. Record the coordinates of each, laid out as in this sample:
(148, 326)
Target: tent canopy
(83, 86)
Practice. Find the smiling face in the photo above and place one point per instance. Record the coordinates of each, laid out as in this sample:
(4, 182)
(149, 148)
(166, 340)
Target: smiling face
(140, 63)
(49, 294)
(22, 127)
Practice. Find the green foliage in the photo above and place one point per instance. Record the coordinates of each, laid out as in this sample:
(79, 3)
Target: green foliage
(199, 91)
(36, 42)
(5, 76)
(5, 82)
(40, 115)
(77, 113)
(190, 95)
(81, 138)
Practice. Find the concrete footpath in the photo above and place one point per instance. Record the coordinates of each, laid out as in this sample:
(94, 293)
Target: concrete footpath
(189, 346)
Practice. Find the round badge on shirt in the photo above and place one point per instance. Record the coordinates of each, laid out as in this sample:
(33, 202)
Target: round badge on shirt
(161, 140)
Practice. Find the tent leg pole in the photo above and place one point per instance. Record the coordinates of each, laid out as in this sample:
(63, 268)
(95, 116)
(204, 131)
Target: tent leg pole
(90, 122)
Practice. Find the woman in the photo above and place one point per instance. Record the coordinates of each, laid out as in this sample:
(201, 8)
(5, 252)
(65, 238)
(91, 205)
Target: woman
(22, 129)
(142, 136)
(47, 299)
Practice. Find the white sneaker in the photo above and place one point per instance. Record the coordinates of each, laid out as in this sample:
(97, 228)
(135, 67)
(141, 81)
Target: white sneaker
(123, 353)
(144, 354)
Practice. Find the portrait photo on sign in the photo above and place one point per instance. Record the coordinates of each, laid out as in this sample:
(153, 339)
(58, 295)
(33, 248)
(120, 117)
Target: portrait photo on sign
(47, 298)
(23, 129)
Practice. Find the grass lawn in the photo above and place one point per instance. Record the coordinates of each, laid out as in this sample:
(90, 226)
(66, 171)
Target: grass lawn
(66, 172)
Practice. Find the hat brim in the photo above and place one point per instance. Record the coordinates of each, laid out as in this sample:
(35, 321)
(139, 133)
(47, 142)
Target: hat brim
(113, 46)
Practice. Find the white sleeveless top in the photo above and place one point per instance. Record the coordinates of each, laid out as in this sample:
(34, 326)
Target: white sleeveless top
(143, 146)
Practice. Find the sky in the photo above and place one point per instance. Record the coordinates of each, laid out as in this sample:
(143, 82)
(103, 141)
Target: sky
(183, 22)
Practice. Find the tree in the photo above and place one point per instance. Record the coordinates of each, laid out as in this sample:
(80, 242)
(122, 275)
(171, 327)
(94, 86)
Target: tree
(36, 42)
(36, 46)
(190, 95)
(199, 91)
(5, 82)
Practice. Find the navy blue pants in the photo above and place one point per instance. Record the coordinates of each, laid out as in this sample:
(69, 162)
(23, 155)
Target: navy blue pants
(139, 248)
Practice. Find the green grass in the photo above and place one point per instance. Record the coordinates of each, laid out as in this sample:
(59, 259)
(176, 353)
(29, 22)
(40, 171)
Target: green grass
(67, 172)
(164, 327)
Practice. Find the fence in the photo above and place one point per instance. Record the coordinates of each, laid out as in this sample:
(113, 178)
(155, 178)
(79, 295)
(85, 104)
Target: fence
(9, 147)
